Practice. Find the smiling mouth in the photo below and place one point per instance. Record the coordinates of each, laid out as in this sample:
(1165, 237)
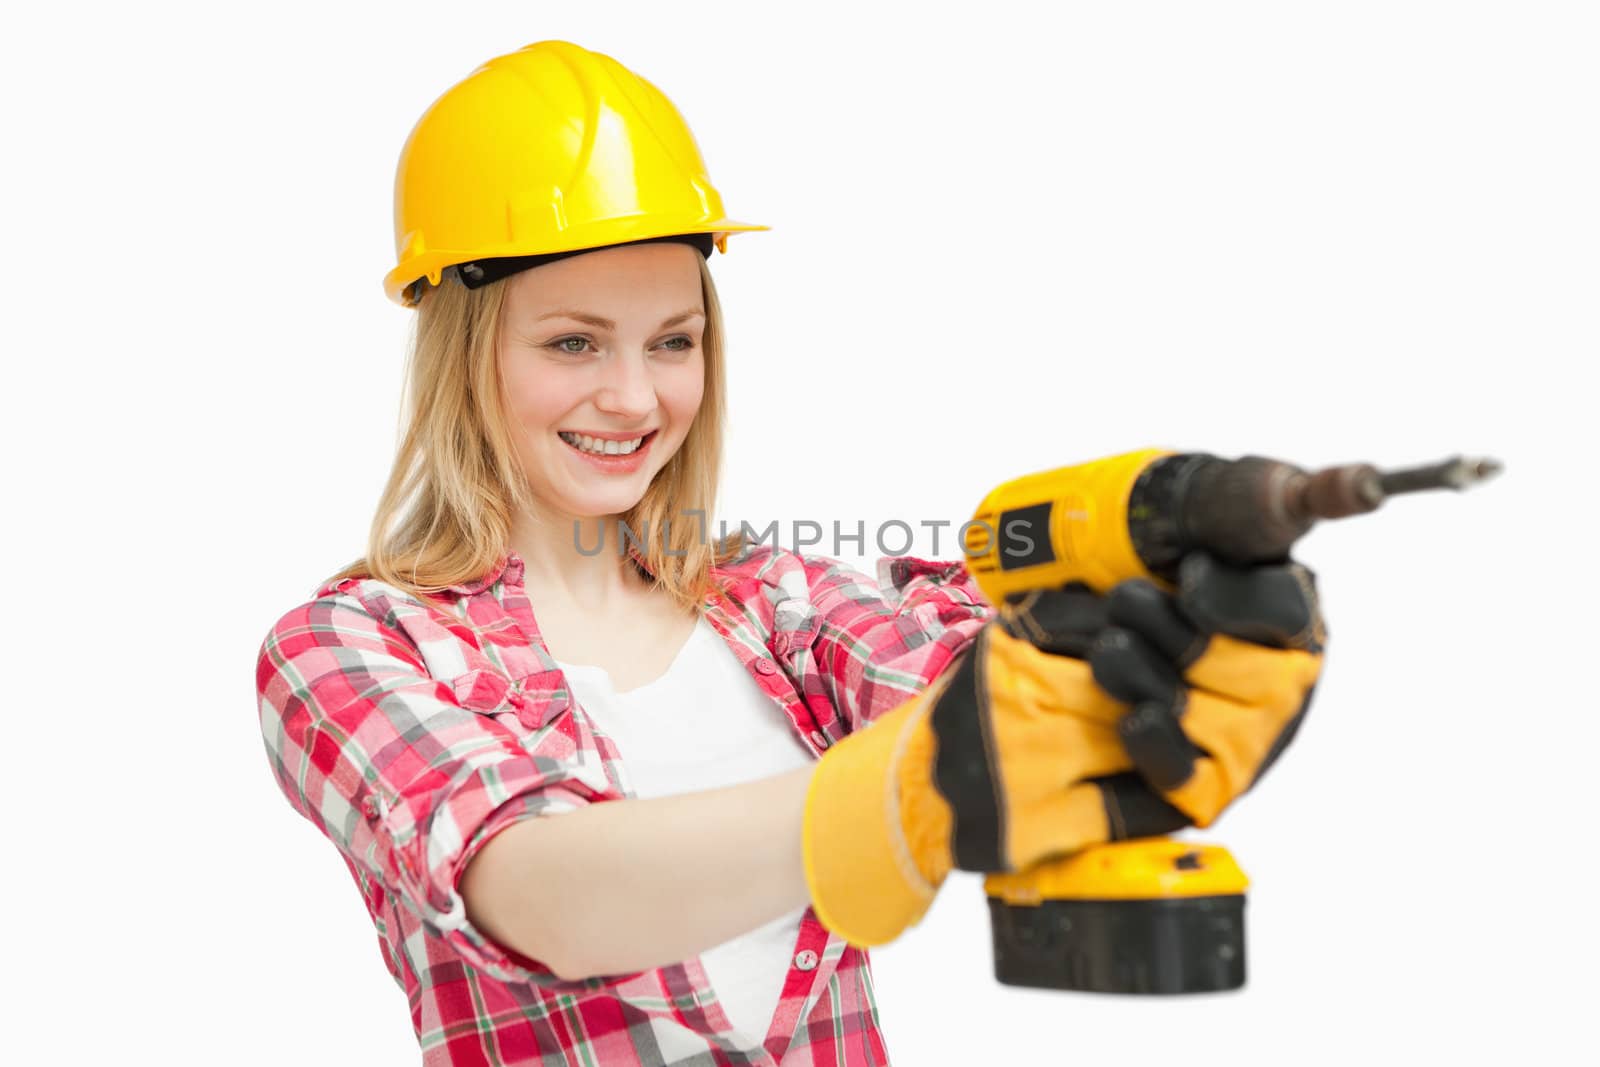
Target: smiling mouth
(595, 446)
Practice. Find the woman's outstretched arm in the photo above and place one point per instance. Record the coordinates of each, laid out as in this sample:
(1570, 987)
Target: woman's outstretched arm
(631, 885)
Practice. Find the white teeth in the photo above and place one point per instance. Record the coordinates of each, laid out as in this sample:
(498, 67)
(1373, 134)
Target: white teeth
(601, 447)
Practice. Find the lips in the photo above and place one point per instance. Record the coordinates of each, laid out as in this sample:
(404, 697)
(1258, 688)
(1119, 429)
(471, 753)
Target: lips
(617, 461)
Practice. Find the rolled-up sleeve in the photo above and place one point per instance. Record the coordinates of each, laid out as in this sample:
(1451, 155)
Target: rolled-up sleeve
(880, 642)
(383, 760)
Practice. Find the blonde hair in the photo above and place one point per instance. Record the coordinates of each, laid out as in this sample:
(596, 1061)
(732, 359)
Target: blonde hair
(456, 486)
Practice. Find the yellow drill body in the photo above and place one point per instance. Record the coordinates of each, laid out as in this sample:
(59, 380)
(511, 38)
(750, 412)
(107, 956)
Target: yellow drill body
(1066, 525)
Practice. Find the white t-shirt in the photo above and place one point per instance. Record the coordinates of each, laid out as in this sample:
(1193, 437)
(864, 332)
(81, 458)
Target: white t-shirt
(703, 724)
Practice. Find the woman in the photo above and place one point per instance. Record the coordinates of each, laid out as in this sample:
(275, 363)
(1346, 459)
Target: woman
(731, 839)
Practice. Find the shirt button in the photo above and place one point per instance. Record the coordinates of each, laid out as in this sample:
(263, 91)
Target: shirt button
(806, 960)
(766, 666)
(817, 736)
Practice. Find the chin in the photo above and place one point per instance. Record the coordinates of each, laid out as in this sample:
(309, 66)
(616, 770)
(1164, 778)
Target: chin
(597, 507)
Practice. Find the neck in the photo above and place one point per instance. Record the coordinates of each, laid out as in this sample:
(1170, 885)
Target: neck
(578, 559)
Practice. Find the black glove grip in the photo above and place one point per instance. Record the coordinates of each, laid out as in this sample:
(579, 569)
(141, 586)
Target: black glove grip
(1138, 605)
(1133, 809)
(1064, 621)
(1272, 605)
(1129, 668)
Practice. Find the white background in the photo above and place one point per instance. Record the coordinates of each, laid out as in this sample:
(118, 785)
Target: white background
(1006, 237)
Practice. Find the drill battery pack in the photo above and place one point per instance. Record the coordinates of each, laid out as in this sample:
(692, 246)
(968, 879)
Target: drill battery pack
(1154, 916)
(1185, 945)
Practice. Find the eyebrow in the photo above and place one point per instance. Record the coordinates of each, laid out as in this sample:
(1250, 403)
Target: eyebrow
(606, 324)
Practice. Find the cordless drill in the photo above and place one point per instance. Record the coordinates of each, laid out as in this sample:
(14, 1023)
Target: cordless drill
(1154, 915)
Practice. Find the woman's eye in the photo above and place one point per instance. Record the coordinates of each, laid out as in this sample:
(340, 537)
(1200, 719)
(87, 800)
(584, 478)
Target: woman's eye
(577, 345)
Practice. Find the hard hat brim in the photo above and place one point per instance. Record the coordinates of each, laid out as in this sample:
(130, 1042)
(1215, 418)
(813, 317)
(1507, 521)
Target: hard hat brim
(430, 264)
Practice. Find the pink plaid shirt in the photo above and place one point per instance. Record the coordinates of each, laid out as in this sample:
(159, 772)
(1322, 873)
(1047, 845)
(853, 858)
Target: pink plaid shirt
(409, 736)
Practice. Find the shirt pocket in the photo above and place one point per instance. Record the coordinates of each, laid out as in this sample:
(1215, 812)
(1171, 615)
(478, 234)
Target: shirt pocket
(795, 625)
(486, 690)
(533, 701)
(477, 683)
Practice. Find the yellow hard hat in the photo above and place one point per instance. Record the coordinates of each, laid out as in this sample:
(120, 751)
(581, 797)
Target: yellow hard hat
(548, 149)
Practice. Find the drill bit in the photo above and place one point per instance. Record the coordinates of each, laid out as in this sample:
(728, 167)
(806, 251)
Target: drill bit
(1456, 473)
(1356, 488)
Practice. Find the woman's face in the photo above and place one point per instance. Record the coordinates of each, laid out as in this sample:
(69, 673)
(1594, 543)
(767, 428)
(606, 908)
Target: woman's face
(604, 345)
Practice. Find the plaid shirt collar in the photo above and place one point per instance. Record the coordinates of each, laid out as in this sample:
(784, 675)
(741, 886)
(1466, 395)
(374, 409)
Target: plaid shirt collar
(511, 568)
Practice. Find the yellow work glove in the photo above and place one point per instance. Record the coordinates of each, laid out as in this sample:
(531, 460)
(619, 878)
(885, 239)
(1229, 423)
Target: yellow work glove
(1011, 755)
(1219, 675)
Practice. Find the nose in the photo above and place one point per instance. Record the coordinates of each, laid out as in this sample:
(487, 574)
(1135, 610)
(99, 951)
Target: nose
(627, 388)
